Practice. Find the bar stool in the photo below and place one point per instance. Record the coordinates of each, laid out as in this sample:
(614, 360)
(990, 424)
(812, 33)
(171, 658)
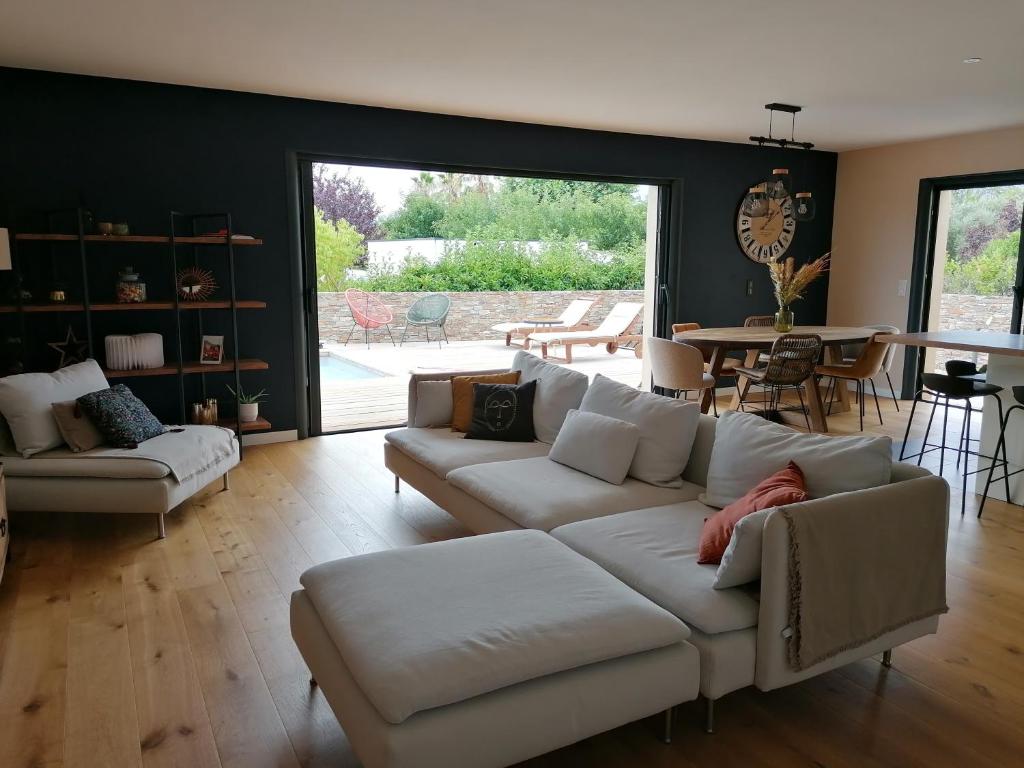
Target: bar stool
(1018, 395)
(942, 388)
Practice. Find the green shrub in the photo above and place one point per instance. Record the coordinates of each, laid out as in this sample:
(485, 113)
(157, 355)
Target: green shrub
(508, 265)
(338, 247)
(993, 272)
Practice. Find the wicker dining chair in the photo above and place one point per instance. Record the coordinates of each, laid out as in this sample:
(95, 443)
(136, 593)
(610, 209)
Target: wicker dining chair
(790, 363)
(759, 321)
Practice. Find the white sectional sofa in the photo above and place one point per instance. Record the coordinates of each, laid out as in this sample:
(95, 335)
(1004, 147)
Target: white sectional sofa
(644, 535)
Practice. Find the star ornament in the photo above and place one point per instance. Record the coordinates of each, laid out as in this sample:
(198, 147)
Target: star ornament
(71, 349)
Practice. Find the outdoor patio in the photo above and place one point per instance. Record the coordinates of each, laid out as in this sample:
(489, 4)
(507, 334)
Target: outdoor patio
(363, 387)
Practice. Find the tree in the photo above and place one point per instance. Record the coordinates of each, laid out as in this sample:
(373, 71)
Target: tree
(344, 198)
(338, 247)
(418, 217)
(993, 272)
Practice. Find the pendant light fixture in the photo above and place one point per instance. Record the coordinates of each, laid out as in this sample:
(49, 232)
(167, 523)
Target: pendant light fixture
(780, 185)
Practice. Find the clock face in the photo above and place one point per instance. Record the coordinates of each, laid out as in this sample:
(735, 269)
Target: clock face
(767, 237)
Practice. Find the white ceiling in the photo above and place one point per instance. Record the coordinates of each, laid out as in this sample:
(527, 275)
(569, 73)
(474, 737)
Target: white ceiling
(868, 72)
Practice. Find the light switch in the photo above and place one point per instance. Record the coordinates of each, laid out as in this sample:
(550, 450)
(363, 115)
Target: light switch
(750, 287)
(901, 288)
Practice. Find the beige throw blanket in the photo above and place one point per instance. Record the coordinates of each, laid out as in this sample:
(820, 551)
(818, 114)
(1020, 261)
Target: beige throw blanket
(855, 577)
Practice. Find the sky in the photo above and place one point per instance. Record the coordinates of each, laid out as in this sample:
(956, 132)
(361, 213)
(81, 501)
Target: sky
(389, 185)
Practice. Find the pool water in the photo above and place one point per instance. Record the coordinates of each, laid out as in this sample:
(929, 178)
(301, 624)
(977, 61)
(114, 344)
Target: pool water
(340, 369)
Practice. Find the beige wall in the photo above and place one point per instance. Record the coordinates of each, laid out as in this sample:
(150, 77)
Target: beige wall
(875, 214)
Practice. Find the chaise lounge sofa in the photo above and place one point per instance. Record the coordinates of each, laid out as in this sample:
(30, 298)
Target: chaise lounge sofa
(647, 537)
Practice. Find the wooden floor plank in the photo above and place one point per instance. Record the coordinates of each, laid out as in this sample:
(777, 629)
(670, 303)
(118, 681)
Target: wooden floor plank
(246, 725)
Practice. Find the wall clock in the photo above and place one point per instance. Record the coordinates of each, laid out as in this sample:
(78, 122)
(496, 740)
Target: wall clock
(766, 238)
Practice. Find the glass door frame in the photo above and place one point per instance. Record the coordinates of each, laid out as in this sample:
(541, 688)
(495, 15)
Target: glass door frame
(307, 368)
(929, 192)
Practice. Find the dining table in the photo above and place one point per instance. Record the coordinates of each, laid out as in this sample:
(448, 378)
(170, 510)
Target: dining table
(719, 343)
(1006, 369)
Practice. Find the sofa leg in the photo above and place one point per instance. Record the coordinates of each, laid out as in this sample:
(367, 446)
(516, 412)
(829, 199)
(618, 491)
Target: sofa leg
(508, 339)
(709, 715)
(227, 481)
(666, 735)
(887, 658)
(161, 532)
(397, 486)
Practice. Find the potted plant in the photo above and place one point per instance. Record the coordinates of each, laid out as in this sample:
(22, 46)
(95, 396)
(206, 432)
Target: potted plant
(790, 285)
(248, 404)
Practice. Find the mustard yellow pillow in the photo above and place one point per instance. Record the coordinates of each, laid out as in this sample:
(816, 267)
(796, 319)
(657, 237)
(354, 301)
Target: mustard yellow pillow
(462, 395)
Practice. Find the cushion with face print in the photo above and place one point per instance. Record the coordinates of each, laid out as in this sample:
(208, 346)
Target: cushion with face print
(503, 412)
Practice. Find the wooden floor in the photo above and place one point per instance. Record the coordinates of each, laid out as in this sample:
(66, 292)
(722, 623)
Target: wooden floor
(118, 650)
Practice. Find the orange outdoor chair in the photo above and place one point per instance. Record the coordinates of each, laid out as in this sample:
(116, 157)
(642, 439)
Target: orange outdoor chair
(368, 313)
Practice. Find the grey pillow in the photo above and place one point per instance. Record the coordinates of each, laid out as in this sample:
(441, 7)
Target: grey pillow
(559, 390)
(433, 404)
(75, 427)
(741, 561)
(598, 445)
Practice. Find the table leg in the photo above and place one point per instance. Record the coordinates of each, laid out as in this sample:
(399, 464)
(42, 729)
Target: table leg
(814, 405)
(742, 382)
(717, 359)
(834, 356)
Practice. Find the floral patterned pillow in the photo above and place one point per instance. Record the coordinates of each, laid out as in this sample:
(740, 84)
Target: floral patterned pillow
(122, 419)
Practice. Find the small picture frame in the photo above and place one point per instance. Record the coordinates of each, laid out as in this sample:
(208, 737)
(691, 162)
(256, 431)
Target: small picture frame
(212, 350)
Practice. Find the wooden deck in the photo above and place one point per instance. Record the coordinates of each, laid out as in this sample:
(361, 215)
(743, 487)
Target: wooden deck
(382, 402)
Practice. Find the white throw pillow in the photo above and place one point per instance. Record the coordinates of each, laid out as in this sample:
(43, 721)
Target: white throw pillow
(748, 448)
(667, 428)
(433, 404)
(26, 402)
(559, 390)
(598, 445)
(741, 561)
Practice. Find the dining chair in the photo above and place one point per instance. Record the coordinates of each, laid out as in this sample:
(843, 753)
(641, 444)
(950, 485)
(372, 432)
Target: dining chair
(759, 321)
(729, 364)
(790, 363)
(865, 367)
(852, 351)
(678, 367)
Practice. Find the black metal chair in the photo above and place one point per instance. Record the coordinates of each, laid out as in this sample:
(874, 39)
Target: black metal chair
(790, 363)
(1018, 395)
(940, 389)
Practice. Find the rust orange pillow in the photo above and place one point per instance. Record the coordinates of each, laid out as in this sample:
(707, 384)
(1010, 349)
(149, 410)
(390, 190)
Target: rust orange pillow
(787, 486)
(462, 395)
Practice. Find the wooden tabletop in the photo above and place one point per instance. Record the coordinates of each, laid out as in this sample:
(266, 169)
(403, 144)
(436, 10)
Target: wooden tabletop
(993, 342)
(753, 338)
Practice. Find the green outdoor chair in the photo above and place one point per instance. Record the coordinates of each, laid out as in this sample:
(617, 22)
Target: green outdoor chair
(429, 311)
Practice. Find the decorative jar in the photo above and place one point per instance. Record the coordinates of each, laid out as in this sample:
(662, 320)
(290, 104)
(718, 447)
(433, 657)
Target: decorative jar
(130, 290)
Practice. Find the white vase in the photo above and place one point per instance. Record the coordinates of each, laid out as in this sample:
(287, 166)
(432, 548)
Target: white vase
(248, 412)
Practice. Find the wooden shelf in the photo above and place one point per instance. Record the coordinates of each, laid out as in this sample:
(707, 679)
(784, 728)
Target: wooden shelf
(139, 239)
(247, 426)
(245, 364)
(140, 306)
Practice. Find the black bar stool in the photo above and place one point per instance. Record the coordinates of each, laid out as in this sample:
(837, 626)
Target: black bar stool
(1018, 395)
(941, 388)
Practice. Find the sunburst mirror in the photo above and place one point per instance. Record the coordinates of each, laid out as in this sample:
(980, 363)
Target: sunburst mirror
(196, 284)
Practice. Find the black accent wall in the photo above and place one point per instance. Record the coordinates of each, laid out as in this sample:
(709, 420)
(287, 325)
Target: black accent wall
(132, 151)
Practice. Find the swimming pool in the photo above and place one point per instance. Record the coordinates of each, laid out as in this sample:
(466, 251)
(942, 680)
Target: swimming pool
(341, 369)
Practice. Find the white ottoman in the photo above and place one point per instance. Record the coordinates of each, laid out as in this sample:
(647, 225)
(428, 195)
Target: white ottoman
(484, 651)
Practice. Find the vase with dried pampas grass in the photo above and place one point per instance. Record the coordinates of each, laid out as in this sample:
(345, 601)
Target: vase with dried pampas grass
(790, 284)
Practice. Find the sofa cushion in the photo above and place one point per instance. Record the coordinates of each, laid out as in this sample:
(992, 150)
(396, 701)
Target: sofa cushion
(462, 395)
(601, 446)
(433, 404)
(667, 428)
(122, 419)
(75, 427)
(503, 412)
(655, 552)
(559, 390)
(63, 462)
(441, 450)
(748, 448)
(540, 493)
(430, 625)
(741, 563)
(26, 401)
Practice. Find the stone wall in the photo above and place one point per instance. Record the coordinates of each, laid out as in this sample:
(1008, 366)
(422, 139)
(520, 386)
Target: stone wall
(963, 312)
(472, 314)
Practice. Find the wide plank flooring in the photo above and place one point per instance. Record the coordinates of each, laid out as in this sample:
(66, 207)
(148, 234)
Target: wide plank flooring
(120, 650)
